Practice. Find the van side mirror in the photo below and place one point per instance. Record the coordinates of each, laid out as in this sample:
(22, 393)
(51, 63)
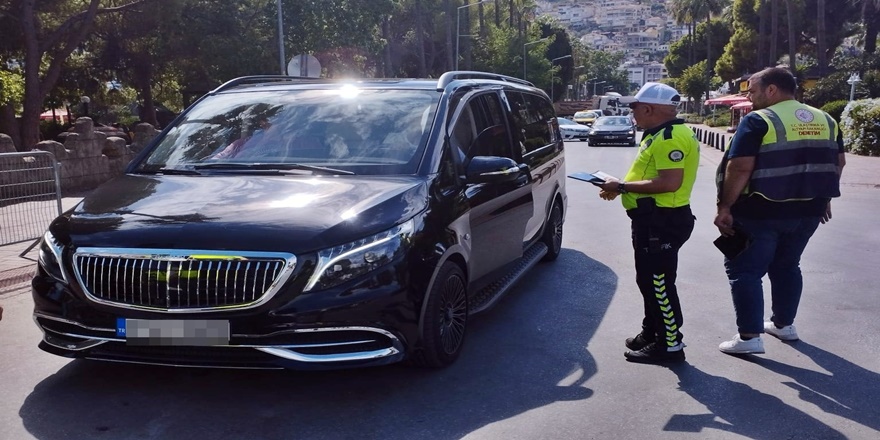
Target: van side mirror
(492, 169)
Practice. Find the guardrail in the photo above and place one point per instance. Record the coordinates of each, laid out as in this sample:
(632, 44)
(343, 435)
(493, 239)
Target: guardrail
(30, 196)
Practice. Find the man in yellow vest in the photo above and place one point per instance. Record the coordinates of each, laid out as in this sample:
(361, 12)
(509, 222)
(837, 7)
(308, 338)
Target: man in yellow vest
(656, 195)
(782, 170)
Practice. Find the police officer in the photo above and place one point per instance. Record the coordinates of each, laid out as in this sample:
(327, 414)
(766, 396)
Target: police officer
(656, 194)
(782, 170)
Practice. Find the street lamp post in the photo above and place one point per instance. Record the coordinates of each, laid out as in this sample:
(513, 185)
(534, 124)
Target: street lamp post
(853, 79)
(595, 84)
(552, 75)
(587, 86)
(458, 34)
(524, 54)
(85, 100)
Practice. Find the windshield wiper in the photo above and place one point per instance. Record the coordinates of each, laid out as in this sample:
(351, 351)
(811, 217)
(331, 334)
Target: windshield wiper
(278, 167)
(169, 171)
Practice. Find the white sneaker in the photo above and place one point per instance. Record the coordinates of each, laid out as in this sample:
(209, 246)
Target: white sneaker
(787, 333)
(738, 346)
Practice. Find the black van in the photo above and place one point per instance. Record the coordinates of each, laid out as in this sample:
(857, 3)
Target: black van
(310, 223)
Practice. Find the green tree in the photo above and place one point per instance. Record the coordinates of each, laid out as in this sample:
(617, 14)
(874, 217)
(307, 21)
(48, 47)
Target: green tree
(694, 81)
(49, 33)
(677, 61)
(141, 52)
(11, 87)
(685, 11)
(742, 52)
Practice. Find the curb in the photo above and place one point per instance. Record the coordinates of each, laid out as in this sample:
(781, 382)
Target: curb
(15, 279)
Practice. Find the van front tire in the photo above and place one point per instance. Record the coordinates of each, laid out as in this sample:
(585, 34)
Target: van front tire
(553, 233)
(446, 317)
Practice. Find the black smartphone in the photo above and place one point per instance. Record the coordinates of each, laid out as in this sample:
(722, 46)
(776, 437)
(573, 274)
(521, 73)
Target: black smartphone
(734, 245)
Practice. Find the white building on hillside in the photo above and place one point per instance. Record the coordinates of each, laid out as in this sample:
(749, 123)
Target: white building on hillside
(570, 13)
(621, 15)
(639, 73)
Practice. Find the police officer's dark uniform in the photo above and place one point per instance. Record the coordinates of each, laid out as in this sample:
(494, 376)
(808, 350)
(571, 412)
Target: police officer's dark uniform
(661, 224)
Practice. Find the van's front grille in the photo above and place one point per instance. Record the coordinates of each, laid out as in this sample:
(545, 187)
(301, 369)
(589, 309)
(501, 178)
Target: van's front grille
(181, 280)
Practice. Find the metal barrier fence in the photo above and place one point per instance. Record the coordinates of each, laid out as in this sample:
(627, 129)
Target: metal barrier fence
(30, 196)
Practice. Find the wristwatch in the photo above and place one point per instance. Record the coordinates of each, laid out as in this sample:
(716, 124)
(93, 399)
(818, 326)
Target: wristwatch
(621, 187)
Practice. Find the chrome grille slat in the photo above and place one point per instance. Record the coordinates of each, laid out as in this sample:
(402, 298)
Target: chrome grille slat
(199, 276)
(141, 282)
(235, 279)
(254, 289)
(114, 274)
(178, 280)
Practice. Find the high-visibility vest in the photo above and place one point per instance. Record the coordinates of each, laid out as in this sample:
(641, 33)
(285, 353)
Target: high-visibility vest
(798, 158)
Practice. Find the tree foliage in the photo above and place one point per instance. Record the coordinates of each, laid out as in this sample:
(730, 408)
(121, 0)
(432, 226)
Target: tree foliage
(741, 51)
(11, 88)
(678, 59)
(694, 80)
(172, 51)
(48, 33)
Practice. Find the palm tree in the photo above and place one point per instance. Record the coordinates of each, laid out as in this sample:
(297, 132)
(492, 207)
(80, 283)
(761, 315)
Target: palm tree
(450, 33)
(821, 56)
(871, 20)
(420, 38)
(774, 32)
(761, 7)
(683, 11)
(792, 44)
(708, 9)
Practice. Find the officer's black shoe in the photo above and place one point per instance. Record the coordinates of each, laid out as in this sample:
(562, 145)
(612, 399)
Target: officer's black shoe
(656, 353)
(639, 341)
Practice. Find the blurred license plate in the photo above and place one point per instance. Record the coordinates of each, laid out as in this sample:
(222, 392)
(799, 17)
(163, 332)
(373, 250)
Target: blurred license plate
(181, 332)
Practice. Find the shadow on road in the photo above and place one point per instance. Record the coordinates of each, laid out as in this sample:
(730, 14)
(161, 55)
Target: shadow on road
(845, 389)
(528, 352)
(738, 408)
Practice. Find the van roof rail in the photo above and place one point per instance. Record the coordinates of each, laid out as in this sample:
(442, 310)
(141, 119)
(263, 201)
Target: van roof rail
(448, 77)
(258, 79)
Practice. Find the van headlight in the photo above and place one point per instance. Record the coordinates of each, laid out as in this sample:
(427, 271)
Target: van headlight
(50, 257)
(339, 264)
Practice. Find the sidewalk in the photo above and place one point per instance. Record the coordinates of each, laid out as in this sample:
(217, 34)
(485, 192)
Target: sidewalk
(859, 170)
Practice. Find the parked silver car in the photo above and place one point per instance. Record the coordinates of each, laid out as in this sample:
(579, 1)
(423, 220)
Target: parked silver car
(571, 130)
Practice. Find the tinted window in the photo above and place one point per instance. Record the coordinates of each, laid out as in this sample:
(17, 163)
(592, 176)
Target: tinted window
(533, 115)
(364, 131)
(481, 129)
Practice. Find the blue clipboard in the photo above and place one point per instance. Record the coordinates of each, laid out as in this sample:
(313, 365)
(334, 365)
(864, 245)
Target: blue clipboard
(596, 178)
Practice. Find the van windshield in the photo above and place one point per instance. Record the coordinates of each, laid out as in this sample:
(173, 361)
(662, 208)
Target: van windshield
(360, 131)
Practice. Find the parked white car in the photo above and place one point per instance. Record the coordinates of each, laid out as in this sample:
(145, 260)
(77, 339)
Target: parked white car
(572, 130)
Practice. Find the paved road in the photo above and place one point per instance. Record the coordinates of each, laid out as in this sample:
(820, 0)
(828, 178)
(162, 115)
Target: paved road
(546, 363)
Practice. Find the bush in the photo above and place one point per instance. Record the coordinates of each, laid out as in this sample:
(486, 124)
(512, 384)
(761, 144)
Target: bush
(861, 130)
(691, 118)
(835, 108)
(49, 130)
(718, 120)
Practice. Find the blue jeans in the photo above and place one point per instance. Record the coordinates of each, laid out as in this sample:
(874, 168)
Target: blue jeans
(776, 248)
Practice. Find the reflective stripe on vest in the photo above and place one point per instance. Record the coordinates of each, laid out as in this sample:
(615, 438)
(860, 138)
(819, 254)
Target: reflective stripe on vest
(790, 167)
